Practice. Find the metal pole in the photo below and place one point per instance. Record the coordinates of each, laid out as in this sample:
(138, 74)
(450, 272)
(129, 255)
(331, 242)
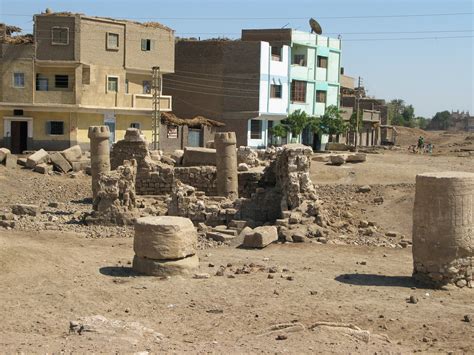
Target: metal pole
(156, 117)
(357, 115)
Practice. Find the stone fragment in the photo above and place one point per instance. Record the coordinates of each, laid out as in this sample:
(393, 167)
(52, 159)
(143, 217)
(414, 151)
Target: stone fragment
(24, 209)
(41, 156)
(356, 158)
(321, 158)
(21, 161)
(81, 165)
(364, 189)
(201, 276)
(261, 237)
(225, 230)
(164, 237)
(243, 167)
(43, 168)
(177, 156)
(60, 162)
(219, 236)
(184, 267)
(72, 154)
(378, 200)
(11, 161)
(3, 154)
(337, 159)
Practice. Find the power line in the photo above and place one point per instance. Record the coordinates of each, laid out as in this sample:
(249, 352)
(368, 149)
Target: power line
(284, 18)
(210, 86)
(405, 38)
(208, 93)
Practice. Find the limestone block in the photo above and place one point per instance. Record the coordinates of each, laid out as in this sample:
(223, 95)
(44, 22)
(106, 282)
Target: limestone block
(41, 156)
(22, 161)
(195, 156)
(443, 226)
(11, 161)
(261, 237)
(356, 158)
(220, 236)
(337, 146)
(43, 168)
(164, 237)
(80, 165)
(3, 154)
(24, 209)
(337, 159)
(72, 154)
(60, 162)
(177, 156)
(183, 267)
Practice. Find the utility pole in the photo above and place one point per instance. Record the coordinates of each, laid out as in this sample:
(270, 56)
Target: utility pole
(357, 112)
(156, 118)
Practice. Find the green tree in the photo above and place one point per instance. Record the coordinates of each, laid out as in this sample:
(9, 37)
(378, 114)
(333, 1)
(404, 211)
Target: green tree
(279, 131)
(440, 120)
(333, 121)
(296, 122)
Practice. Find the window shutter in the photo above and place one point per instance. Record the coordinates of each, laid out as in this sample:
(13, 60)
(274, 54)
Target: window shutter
(143, 44)
(48, 127)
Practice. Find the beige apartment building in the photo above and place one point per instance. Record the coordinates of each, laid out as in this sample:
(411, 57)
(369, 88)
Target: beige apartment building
(77, 71)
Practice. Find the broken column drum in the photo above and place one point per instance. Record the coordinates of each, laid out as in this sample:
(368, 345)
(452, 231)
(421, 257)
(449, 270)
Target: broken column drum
(165, 246)
(226, 163)
(100, 154)
(443, 228)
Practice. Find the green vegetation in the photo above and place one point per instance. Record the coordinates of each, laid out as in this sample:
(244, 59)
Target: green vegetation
(401, 114)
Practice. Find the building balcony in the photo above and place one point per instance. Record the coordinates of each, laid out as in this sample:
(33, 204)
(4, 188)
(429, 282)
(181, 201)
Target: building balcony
(146, 101)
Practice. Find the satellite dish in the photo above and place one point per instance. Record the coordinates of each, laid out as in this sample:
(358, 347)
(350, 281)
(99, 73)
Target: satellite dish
(315, 26)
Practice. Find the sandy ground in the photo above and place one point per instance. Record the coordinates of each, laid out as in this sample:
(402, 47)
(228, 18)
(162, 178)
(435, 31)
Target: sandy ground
(50, 278)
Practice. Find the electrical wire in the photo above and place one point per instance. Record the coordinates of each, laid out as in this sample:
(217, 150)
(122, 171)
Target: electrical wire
(209, 86)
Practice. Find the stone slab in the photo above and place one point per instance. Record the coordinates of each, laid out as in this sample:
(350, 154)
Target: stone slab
(261, 237)
(80, 165)
(356, 158)
(60, 162)
(11, 161)
(180, 267)
(41, 156)
(195, 156)
(220, 237)
(3, 154)
(164, 237)
(72, 154)
(43, 168)
(337, 159)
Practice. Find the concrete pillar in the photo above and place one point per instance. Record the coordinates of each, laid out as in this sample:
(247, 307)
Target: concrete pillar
(100, 155)
(443, 228)
(226, 163)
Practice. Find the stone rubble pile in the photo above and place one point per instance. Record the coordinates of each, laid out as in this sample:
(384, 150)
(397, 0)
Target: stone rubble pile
(165, 246)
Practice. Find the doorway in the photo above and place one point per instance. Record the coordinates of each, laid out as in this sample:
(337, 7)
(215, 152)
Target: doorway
(19, 136)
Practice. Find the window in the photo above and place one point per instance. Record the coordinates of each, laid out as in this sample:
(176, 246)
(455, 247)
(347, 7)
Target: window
(276, 54)
(135, 125)
(55, 128)
(112, 84)
(298, 91)
(299, 59)
(112, 41)
(146, 86)
(127, 86)
(321, 96)
(61, 81)
(17, 112)
(275, 91)
(60, 36)
(255, 129)
(322, 62)
(18, 80)
(146, 44)
(41, 83)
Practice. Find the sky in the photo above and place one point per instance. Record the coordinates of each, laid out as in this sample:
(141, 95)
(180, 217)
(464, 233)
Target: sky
(429, 72)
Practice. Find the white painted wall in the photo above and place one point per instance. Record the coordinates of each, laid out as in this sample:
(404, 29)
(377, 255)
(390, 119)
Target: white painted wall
(321, 74)
(332, 95)
(333, 67)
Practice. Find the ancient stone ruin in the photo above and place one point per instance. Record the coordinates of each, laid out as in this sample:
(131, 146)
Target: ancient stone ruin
(100, 156)
(443, 229)
(165, 246)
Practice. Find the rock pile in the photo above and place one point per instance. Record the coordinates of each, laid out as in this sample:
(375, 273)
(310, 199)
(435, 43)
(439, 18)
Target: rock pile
(165, 246)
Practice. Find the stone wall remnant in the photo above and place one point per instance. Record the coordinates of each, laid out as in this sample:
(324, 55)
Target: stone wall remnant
(165, 246)
(100, 156)
(443, 229)
(226, 163)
